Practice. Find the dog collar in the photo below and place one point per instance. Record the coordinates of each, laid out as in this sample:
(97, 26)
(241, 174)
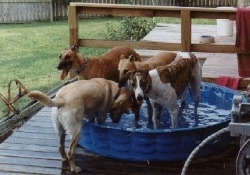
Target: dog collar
(82, 67)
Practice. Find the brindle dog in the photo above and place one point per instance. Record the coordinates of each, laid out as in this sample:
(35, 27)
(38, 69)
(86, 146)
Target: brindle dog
(126, 66)
(164, 85)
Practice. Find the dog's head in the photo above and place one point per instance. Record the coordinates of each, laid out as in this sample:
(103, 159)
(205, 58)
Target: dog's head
(140, 83)
(66, 60)
(122, 104)
(125, 65)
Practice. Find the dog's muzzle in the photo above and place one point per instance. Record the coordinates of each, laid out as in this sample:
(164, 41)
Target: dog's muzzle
(60, 66)
(64, 65)
(139, 97)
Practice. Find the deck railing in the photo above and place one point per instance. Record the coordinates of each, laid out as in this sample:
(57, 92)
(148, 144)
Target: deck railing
(186, 14)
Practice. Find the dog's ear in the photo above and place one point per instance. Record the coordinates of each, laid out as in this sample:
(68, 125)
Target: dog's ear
(131, 58)
(74, 48)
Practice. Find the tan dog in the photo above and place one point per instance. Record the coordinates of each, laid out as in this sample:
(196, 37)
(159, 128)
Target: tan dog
(104, 66)
(129, 65)
(83, 98)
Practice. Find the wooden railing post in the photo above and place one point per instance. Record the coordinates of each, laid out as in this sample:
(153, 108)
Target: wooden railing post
(186, 31)
(73, 25)
(73, 30)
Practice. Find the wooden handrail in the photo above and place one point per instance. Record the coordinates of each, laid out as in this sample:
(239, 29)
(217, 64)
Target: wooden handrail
(186, 14)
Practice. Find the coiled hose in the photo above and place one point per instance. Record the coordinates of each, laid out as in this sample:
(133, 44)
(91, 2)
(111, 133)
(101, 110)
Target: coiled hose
(203, 143)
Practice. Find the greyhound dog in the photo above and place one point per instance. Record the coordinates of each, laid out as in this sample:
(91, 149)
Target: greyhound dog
(165, 85)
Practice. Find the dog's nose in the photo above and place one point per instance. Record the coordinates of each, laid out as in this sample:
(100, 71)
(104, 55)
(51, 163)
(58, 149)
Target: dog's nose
(140, 97)
(59, 67)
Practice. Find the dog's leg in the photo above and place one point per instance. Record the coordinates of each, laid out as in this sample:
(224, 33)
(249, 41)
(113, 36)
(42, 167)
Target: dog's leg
(73, 142)
(74, 127)
(195, 88)
(136, 111)
(150, 111)
(174, 115)
(101, 118)
(92, 116)
(60, 131)
(196, 104)
(157, 108)
(182, 98)
(61, 147)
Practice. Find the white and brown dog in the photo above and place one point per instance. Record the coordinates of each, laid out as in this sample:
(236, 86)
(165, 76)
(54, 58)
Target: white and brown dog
(167, 84)
(79, 99)
(126, 66)
(103, 66)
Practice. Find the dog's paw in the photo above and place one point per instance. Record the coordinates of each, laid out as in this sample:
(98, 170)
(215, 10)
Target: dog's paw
(64, 159)
(76, 169)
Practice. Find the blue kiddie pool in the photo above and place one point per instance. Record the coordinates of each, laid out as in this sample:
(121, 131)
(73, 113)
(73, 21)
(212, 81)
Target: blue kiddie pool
(125, 141)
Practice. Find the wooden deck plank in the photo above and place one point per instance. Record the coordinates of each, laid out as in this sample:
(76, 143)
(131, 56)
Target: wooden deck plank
(50, 163)
(29, 169)
(28, 147)
(34, 134)
(18, 152)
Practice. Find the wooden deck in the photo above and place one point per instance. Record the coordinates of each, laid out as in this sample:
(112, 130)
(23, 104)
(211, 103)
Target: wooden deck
(32, 149)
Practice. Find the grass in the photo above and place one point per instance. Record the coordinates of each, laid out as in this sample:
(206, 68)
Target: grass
(29, 52)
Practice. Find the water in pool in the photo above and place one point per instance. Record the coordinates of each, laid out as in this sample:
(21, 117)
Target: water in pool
(215, 107)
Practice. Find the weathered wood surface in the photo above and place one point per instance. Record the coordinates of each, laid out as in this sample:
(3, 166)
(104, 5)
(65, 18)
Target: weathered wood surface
(21, 11)
(32, 149)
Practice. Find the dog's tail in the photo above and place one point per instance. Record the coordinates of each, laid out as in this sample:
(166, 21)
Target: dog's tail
(44, 99)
